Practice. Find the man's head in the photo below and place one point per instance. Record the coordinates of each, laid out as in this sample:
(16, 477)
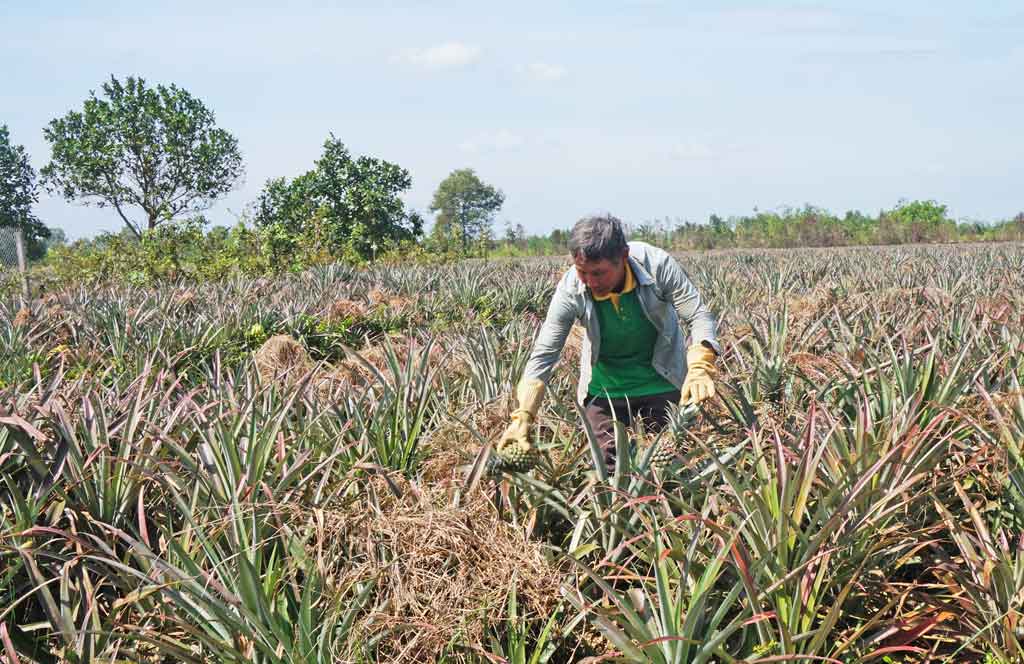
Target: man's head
(599, 251)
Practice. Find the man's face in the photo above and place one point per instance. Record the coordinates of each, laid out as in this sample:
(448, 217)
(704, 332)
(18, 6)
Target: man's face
(601, 276)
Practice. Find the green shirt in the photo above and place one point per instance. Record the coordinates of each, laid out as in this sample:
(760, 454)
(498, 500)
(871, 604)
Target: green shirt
(624, 367)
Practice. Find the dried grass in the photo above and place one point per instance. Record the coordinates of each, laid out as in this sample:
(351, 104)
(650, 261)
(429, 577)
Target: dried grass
(999, 309)
(354, 371)
(23, 317)
(821, 367)
(345, 309)
(452, 445)
(282, 359)
(442, 571)
(376, 300)
(809, 307)
(978, 409)
(185, 298)
(396, 303)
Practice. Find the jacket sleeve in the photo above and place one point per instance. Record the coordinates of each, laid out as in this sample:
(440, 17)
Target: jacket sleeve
(562, 313)
(693, 312)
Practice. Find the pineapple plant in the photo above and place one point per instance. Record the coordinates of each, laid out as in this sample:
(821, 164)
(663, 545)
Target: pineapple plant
(666, 446)
(773, 381)
(829, 528)
(774, 388)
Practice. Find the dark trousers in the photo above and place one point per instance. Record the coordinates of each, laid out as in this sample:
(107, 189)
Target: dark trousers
(602, 413)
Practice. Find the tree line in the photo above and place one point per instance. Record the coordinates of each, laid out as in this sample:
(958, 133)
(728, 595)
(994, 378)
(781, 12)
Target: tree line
(156, 157)
(908, 222)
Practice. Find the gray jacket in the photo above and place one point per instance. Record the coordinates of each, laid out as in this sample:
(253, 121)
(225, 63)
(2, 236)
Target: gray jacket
(668, 299)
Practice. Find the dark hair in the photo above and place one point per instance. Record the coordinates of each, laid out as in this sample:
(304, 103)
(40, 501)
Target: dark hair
(596, 238)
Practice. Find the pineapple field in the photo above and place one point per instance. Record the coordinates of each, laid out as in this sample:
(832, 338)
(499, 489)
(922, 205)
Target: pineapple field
(299, 470)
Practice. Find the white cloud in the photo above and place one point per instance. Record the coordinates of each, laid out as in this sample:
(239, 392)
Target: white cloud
(542, 71)
(449, 55)
(501, 140)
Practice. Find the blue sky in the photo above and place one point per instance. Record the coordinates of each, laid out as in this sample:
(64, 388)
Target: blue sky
(643, 109)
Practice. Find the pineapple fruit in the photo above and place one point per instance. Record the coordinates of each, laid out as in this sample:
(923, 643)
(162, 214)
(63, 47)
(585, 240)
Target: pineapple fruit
(665, 453)
(518, 457)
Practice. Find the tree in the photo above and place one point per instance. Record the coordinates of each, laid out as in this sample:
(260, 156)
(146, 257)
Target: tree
(341, 203)
(559, 240)
(155, 148)
(646, 231)
(465, 208)
(18, 190)
(515, 234)
(38, 246)
(917, 221)
(18, 193)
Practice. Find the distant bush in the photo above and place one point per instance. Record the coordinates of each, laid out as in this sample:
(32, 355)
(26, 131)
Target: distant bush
(907, 222)
(172, 251)
(189, 251)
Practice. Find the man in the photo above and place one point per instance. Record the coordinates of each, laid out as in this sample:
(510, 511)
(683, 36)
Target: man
(633, 300)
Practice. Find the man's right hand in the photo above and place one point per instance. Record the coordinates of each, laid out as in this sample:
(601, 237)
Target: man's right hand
(518, 430)
(514, 447)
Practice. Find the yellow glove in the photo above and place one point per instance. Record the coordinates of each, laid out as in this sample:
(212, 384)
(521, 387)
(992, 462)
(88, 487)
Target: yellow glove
(514, 447)
(699, 384)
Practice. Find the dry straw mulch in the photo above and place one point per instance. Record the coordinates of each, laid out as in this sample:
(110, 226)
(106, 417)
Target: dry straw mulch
(382, 299)
(442, 571)
(284, 361)
(346, 309)
(452, 445)
(282, 358)
(356, 372)
(376, 300)
(22, 317)
(809, 307)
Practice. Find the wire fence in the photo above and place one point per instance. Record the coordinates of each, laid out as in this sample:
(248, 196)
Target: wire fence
(9, 262)
(8, 249)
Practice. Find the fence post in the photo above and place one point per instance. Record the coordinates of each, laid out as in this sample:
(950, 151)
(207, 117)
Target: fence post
(19, 244)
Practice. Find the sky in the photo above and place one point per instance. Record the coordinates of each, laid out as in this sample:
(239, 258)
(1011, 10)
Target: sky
(643, 109)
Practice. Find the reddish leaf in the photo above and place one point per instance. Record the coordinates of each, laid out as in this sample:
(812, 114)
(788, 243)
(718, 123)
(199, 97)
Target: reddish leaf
(12, 657)
(889, 649)
(143, 530)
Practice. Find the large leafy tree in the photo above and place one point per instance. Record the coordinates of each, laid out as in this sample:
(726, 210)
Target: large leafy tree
(465, 207)
(348, 203)
(18, 193)
(916, 221)
(157, 149)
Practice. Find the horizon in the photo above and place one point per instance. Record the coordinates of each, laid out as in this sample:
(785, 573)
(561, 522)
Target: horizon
(710, 109)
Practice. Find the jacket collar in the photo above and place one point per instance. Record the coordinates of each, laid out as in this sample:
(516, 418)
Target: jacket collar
(642, 277)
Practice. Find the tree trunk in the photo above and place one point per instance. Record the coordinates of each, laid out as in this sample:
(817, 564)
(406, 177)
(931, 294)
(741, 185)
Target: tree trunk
(465, 231)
